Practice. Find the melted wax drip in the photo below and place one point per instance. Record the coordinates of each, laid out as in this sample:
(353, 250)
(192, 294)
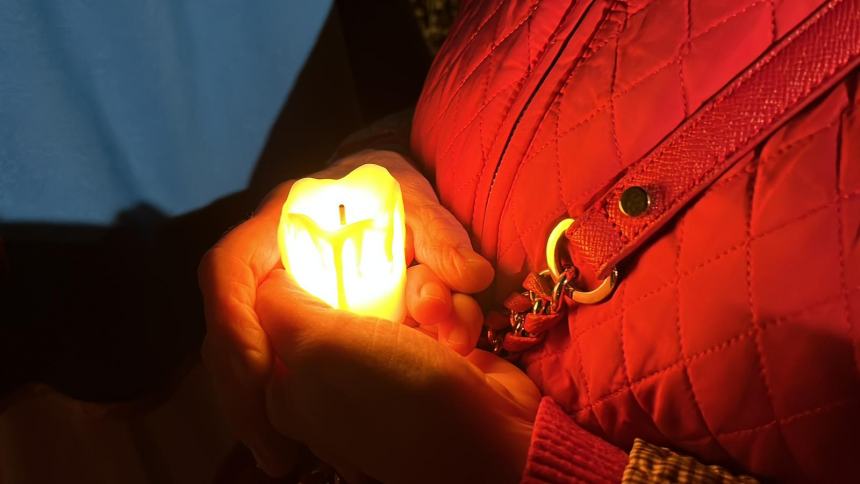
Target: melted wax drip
(354, 232)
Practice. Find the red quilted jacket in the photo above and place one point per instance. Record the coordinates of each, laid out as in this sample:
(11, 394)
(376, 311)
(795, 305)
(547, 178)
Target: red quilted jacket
(734, 333)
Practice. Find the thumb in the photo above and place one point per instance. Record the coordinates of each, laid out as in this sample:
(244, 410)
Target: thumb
(319, 344)
(289, 315)
(304, 330)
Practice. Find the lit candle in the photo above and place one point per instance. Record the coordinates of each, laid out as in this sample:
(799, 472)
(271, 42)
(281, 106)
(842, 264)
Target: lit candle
(344, 241)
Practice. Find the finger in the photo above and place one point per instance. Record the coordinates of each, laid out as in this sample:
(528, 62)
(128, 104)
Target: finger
(442, 243)
(229, 286)
(428, 300)
(228, 275)
(357, 383)
(439, 239)
(236, 349)
(237, 353)
(508, 380)
(462, 328)
(307, 334)
(289, 315)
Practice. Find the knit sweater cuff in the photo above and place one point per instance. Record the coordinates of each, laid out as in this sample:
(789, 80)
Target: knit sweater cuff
(562, 452)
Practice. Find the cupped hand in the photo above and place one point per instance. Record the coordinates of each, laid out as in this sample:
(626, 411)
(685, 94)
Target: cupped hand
(377, 399)
(236, 349)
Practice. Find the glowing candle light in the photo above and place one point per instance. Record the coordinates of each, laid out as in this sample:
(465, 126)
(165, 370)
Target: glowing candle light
(344, 241)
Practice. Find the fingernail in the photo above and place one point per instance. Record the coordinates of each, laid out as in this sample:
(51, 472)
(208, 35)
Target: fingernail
(459, 336)
(467, 254)
(476, 271)
(432, 290)
(471, 259)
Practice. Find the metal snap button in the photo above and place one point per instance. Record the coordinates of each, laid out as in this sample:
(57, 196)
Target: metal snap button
(634, 201)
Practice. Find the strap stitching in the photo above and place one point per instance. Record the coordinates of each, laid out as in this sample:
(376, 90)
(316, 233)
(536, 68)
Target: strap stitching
(667, 63)
(512, 244)
(640, 167)
(642, 298)
(588, 51)
(737, 246)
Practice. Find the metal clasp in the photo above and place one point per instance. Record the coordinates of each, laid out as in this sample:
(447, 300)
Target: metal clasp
(593, 296)
(550, 302)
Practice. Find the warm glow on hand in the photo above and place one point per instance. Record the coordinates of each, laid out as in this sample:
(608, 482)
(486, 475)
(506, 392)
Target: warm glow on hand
(237, 351)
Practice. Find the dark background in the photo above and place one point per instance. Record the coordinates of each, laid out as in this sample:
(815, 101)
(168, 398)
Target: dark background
(114, 314)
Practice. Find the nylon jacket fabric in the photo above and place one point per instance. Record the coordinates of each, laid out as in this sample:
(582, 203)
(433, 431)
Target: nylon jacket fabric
(734, 335)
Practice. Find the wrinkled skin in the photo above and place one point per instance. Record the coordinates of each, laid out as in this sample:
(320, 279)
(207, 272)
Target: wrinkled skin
(399, 403)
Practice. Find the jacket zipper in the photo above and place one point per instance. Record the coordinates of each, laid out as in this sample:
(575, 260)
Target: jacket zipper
(547, 71)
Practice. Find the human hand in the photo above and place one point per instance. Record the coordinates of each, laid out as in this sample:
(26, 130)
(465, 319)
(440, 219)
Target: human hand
(236, 350)
(372, 398)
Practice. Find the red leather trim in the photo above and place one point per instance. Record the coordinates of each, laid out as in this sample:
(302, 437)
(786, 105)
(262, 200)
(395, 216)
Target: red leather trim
(789, 76)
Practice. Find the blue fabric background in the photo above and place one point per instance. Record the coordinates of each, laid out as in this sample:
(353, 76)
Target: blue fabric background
(107, 104)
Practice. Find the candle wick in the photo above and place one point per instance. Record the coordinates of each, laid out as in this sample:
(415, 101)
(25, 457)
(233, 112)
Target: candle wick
(342, 211)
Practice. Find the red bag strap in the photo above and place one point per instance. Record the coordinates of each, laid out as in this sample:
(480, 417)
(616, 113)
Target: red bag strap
(811, 59)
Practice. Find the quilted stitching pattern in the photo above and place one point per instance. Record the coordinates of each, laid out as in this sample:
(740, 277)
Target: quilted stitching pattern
(720, 342)
(709, 142)
(506, 33)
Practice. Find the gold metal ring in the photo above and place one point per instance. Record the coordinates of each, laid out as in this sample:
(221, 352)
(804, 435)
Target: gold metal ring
(552, 245)
(582, 297)
(600, 293)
